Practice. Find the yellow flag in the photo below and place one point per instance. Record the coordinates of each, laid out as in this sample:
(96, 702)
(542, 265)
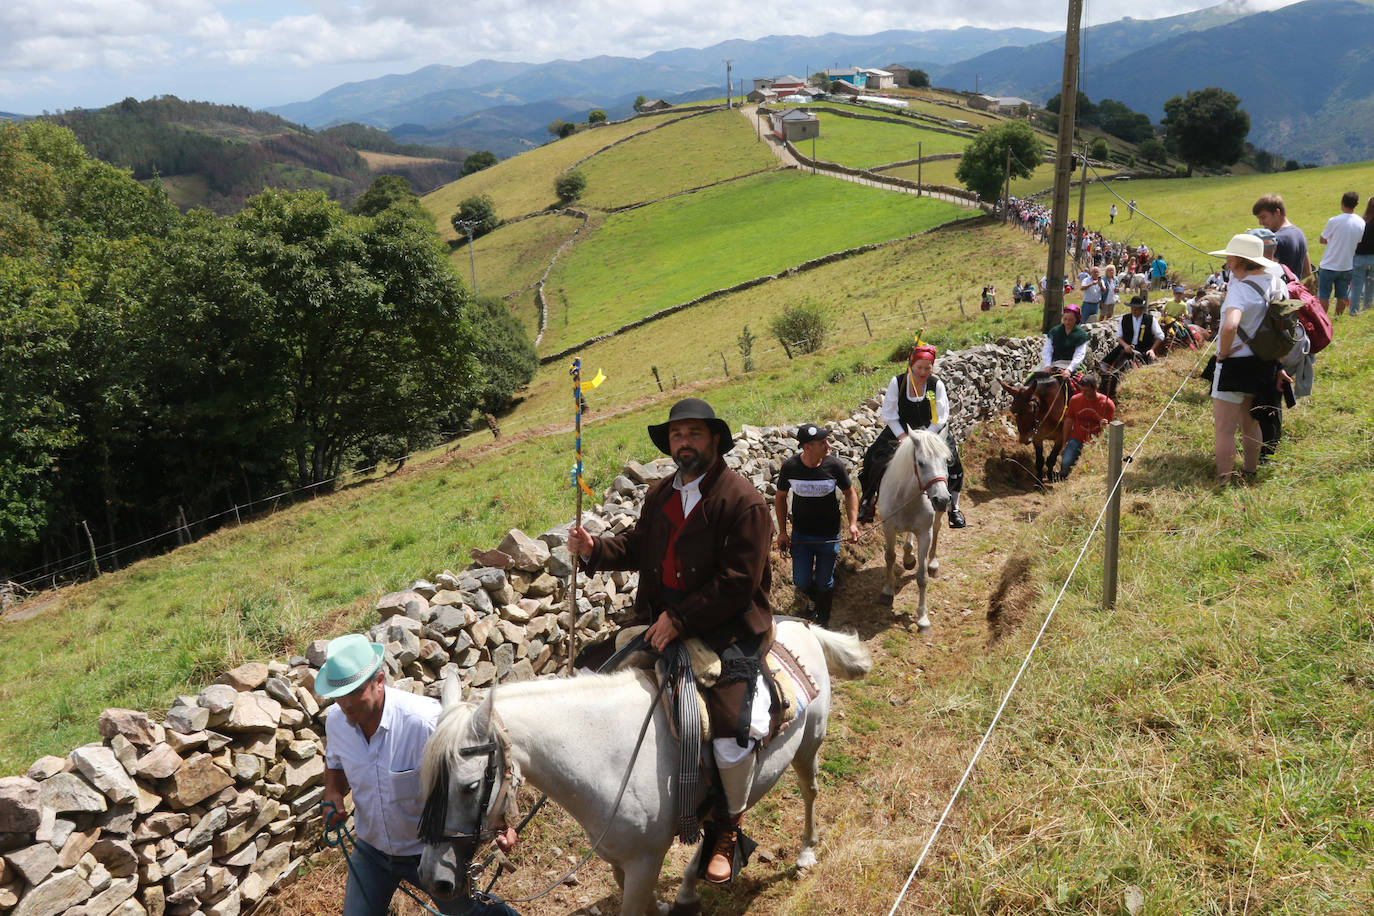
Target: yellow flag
(600, 377)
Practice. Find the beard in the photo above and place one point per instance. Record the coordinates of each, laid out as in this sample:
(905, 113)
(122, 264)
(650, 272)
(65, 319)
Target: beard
(690, 460)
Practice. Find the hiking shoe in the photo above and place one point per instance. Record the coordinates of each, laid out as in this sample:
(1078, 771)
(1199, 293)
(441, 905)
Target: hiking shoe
(956, 519)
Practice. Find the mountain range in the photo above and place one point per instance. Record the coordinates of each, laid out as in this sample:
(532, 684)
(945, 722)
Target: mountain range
(1310, 95)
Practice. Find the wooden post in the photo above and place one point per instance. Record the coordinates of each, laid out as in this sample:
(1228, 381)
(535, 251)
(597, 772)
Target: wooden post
(724, 365)
(90, 540)
(786, 349)
(866, 324)
(961, 307)
(918, 168)
(185, 528)
(237, 520)
(658, 380)
(923, 311)
(1115, 438)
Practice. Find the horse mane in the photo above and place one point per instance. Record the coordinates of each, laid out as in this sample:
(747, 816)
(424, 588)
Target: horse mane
(924, 444)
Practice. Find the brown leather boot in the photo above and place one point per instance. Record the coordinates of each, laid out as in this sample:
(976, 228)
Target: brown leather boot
(722, 865)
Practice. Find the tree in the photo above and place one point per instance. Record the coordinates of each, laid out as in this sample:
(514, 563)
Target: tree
(569, 186)
(918, 79)
(482, 159)
(1209, 127)
(387, 191)
(596, 116)
(479, 209)
(639, 102)
(983, 166)
(505, 354)
(1099, 150)
(1119, 121)
(557, 126)
(821, 81)
(800, 327)
(1152, 150)
(1084, 112)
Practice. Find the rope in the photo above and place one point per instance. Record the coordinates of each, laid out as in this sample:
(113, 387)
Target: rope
(1006, 697)
(1139, 212)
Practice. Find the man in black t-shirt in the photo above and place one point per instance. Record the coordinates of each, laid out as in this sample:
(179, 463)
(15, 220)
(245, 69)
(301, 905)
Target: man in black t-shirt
(815, 478)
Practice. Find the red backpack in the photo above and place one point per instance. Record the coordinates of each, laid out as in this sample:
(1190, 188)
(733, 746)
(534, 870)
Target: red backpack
(1313, 317)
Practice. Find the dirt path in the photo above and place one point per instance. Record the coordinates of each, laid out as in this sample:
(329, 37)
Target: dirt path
(969, 605)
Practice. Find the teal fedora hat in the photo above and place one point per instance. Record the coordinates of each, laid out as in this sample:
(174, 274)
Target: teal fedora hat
(349, 661)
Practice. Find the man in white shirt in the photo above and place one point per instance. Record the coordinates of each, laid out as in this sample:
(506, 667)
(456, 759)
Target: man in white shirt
(1341, 235)
(374, 738)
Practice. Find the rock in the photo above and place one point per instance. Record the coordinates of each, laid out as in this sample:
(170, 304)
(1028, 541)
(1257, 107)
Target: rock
(196, 780)
(179, 881)
(116, 855)
(47, 766)
(103, 769)
(482, 630)
(483, 673)
(160, 824)
(300, 774)
(188, 719)
(522, 670)
(253, 712)
(494, 558)
(245, 677)
(624, 486)
(277, 688)
(120, 818)
(647, 473)
(33, 863)
(526, 553)
(180, 741)
(57, 894)
(105, 902)
(479, 599)
(395, 603)
(135, 726)
(491, 578)
(211, 823)
(20, 806)
(228, 905)
(315, 652)
(158, 763)
(125, 752)
(69, 792)
(154, 899)
(218, 698)
(448, 618)
(560, 562)
(543, 586)
(77, 845)
(503, 656)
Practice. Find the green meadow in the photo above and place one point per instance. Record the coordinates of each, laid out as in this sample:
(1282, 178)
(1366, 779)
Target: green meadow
(868, 144)
(647, 259)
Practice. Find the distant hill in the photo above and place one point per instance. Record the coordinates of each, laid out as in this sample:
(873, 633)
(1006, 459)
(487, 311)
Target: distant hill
(217, 156)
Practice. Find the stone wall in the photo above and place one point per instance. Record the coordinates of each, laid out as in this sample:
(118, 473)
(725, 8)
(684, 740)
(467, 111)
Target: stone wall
(205, 810)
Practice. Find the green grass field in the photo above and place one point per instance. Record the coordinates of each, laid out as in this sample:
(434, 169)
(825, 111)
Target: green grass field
(866, 144)
(713, 147)
(513, 257)
(524, 184)
(647, 259)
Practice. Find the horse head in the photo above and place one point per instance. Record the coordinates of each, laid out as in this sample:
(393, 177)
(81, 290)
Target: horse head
(469, 778)
(1025, 410)
(930, 463)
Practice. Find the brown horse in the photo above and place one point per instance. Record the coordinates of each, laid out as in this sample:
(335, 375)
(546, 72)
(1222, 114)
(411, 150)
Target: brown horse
(1039, 409)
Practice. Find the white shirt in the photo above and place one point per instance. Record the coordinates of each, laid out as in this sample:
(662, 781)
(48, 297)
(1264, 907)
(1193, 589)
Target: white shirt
(691, 492)
(384, 773)
(1341, 235)
(894, 420)
(1134, 340)
(1079, 354)
(1250, 297)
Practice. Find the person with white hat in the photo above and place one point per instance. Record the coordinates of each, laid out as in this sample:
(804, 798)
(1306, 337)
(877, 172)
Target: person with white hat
(374, 738)
(1241, 375)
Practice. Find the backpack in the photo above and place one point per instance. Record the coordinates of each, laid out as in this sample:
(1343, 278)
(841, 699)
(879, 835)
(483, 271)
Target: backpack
(1314, 319)
(1278, 332)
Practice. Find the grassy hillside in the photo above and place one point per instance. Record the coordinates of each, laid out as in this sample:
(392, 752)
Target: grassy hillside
(647, 259)
(866, 144)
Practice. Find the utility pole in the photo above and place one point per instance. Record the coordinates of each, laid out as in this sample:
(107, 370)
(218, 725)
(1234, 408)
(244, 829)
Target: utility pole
(919, 157)
(1063, 169)
(467, 225)
(1082, 192)
(728, 87)
(1006, 189)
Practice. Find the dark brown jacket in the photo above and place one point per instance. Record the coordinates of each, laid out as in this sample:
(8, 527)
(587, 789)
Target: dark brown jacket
(723, 554)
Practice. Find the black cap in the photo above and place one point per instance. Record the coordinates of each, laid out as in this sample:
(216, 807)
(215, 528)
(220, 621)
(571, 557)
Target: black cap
(692, 409)
(810, 432)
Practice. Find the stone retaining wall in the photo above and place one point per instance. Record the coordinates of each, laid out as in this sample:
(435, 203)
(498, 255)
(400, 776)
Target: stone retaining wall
(204, 809)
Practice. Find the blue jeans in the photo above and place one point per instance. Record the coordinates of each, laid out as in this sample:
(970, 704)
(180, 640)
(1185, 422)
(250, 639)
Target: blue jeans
(1069, 457)
(1329, 281)
(813, 560)
(373, 877)
(1090, 310)
(1361, 283)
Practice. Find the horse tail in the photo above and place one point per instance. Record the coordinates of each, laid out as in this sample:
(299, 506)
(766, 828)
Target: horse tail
(845, 654)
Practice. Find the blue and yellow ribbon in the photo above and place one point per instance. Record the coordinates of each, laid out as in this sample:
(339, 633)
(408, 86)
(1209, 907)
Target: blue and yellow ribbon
(575, 478)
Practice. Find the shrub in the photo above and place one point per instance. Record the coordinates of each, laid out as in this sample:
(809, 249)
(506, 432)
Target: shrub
(1099, 150)
(745, 341)
(480, 210)
(800, 327)
(596, 116)
(569, 186)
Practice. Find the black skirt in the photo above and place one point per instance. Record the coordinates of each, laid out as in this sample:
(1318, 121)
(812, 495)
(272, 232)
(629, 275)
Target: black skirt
(1247, 375)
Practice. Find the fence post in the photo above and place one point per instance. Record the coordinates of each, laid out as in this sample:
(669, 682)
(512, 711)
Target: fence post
(654, 369)
(90, 540)
(923, 311)
(723, 364)
(962, 314)
(785, 348)
(866, 324)
(1115, 438)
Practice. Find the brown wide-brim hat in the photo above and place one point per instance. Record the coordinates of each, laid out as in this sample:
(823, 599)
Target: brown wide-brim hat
(692, 409)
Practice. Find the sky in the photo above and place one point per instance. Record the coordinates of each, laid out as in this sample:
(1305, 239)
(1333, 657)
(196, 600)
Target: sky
(62, 54)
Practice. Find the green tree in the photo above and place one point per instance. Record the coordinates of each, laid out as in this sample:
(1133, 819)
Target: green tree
(387, 191)
(596, 116)
(983, 166)
(505, 354)
(800, 328)
(1119, 121)
(1152, 150)
(556, 126)
(1099, 150)
(918, 79)
(569, 186)
(821, 81)
(1084, 111)
(482, 159)
(479, 209)
(1209, 127)
(639, 102)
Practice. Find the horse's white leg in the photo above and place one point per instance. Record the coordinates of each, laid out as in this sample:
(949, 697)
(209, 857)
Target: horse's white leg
(932, 561)
(923, 546)
(804, 765)
(908, 552)
(688, 901)
(890, 555)
(637, 890)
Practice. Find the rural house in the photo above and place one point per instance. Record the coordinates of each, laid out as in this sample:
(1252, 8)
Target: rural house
(655, 105)
(878, 79)
(762, 95)
(900, 75)
(853, 76)
(786, 84)
(794, 124)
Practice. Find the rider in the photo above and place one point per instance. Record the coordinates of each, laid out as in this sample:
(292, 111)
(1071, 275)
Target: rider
(913, 400)
(701, 547)
(374, 735)
(1066, 345)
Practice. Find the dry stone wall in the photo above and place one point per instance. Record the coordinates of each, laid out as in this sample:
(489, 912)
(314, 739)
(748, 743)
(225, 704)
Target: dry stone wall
(203, 812)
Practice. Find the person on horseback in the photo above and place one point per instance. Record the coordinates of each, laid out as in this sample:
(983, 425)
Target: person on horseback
(1066, 345)
(914, 400)
(815, 477)
(374, 735)
(1139, 340)
(701, 548)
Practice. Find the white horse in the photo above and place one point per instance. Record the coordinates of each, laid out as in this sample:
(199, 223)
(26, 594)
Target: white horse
(573, 740)
(912, 498)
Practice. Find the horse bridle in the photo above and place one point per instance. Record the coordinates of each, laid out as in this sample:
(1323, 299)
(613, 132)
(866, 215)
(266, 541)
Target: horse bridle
(1035, 407)
(916, 469)
(434, 819)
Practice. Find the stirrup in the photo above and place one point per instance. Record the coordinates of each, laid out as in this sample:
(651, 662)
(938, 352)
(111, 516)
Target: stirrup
(715, 839)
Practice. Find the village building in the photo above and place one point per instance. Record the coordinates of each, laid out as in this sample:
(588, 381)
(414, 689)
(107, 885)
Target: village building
(655, 105)
(793, 124)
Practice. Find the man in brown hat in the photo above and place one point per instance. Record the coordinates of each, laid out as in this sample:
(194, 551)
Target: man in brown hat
(701, 549)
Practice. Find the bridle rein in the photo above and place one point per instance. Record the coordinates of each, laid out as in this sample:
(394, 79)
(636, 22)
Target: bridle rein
(434, 819)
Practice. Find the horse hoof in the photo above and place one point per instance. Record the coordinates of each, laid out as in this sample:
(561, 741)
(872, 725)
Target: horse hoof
(685, 909)
(807, 859)
(923, 625)
(885, 600)
(932, 569)
(908, 562)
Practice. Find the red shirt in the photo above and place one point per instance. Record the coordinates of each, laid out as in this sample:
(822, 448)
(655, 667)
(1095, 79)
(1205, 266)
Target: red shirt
(1089, 416)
